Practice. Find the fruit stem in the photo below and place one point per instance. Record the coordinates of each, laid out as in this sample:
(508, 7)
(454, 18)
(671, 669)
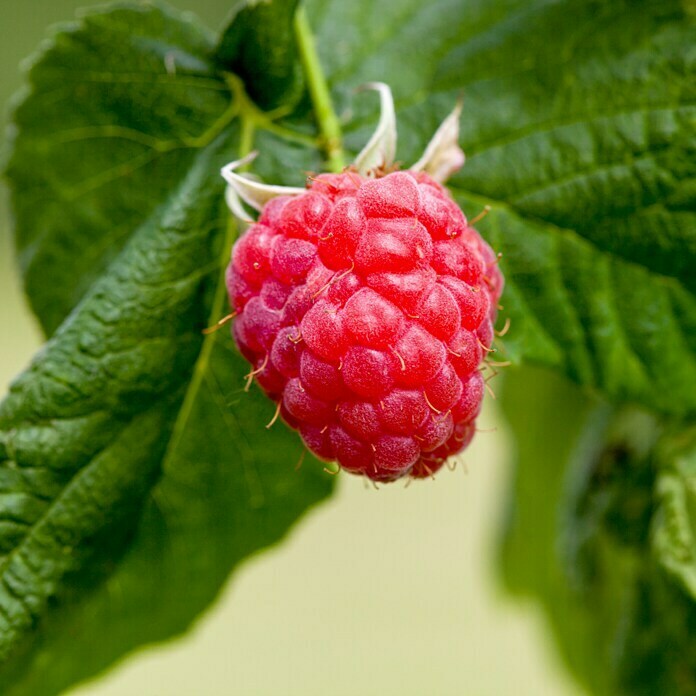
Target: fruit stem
(329, 126)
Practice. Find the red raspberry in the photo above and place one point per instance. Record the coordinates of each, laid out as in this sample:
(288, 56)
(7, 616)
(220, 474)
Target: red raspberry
(365, 307)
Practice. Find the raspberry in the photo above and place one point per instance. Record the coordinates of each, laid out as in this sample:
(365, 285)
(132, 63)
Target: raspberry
(365, 306)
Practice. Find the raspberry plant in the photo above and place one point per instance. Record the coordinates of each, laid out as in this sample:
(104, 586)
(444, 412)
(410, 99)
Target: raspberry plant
(131, 457)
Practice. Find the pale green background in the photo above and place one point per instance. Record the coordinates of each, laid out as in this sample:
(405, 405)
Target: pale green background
(389, 592)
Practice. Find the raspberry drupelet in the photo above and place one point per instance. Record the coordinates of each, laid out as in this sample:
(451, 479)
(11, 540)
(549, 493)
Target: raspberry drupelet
(365, 305)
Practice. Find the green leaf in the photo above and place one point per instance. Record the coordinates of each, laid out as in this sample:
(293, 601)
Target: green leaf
(579, 540)
(579, 125)
(135, 472)
(120, 104)
(259, 46)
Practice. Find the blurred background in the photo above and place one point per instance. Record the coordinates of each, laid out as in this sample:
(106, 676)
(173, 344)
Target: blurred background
(418, 609)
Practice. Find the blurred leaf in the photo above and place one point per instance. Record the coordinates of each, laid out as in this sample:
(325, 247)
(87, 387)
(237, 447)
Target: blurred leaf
(129, 484)
(579, 540)
(546, 437)
(259, 46)
(579, 127)
(674, 530)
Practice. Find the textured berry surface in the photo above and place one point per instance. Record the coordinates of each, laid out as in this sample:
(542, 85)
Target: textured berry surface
(366, 307)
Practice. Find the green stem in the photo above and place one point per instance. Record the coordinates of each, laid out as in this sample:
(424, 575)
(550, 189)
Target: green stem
(329, 126)
(246, 145)
(246, 136)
